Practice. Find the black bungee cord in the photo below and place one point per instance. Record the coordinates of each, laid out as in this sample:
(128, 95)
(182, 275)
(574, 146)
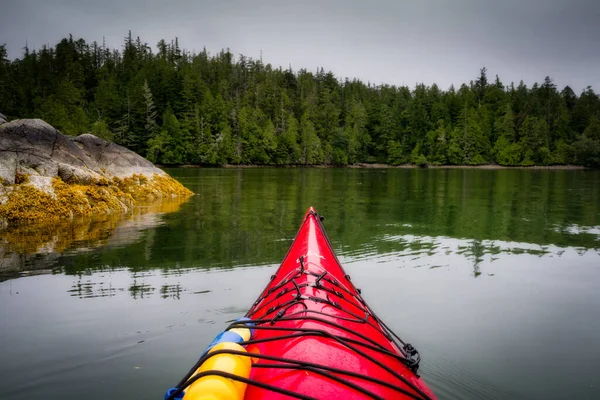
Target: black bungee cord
(409, 355)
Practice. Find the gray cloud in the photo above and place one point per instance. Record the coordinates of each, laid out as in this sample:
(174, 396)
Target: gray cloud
(391, 41)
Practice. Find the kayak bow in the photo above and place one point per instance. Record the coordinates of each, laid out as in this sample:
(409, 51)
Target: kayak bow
(309, 335)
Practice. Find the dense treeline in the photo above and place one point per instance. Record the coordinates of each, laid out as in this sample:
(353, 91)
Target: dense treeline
(177, 107)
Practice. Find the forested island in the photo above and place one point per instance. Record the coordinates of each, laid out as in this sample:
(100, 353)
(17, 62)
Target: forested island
(173, 107)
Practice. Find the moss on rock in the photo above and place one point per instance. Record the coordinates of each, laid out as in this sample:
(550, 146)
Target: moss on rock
(25, 203)
(142, 188)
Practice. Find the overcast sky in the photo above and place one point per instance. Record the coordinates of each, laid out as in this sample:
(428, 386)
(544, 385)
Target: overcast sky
(400, 42)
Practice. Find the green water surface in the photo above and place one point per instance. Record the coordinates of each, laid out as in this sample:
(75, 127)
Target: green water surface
(494, 275)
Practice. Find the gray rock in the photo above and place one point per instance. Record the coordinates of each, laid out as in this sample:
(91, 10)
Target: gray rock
(8, 167)
(43, 183)
(33, 147)
(2, 119)
(115, 160)
(36, 148)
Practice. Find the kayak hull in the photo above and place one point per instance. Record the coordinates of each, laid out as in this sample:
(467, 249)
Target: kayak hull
(334, 346)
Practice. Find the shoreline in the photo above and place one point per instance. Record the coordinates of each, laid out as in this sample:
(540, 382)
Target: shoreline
(385, 166)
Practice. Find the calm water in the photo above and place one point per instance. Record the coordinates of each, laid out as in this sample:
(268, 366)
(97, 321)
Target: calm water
(493, 275)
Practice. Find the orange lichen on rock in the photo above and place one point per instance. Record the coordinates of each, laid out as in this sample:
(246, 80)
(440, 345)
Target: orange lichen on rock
(142, 188)
(99, 197)
(96, 198)
(170, 187)
(21, 178)
(26, 203)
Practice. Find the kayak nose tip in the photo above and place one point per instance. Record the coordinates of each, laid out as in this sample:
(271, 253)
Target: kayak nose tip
(311, 211)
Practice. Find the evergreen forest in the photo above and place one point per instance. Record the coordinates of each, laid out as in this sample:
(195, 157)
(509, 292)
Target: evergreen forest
(178, 107)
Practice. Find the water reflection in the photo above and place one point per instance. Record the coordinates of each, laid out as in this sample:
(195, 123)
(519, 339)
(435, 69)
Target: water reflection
(469, 256)
(249, 217)
(438, 252)
(38, 248)
(431, 252)
(140, 286)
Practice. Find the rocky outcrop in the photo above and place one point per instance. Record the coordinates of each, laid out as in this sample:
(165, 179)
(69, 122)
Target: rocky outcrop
(45, 174)
(34, 147)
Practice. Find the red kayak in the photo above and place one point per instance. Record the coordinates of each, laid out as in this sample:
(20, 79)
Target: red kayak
(309, 335)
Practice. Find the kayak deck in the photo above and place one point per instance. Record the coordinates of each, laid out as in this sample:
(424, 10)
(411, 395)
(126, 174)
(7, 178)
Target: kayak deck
(315, 337)
(312, 314)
